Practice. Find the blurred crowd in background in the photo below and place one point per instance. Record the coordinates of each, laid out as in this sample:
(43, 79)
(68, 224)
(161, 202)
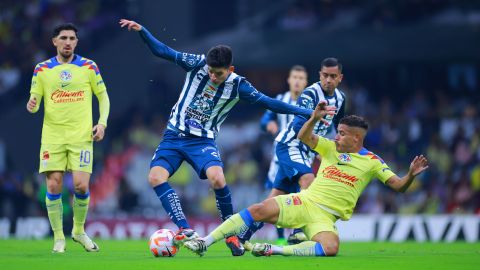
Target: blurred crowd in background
(438, 118)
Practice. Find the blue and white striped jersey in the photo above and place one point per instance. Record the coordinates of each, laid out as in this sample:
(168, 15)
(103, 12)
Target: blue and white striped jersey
(310, 97)
(203, 106)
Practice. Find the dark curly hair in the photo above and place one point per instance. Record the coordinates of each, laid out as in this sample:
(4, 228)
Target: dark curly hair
(354, 121)
(220, 56)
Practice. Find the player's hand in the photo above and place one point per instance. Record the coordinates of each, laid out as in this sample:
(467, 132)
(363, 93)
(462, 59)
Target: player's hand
(98, 132)
(322, 110)
(131, 25)
(418, 165)
(272, 127)
(31, 104)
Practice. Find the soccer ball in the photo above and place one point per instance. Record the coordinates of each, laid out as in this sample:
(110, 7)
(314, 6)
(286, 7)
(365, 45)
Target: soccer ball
(161, 243)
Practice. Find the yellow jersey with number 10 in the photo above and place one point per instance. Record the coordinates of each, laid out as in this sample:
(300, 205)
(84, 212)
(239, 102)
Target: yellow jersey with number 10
(342, 177)
(67, 92)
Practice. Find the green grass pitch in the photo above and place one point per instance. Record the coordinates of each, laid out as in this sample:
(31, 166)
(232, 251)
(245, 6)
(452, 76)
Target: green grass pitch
(114, 255)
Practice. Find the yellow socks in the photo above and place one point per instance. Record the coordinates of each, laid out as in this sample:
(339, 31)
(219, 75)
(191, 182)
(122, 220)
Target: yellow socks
(80, 209)
(307, 248)
(55, 214)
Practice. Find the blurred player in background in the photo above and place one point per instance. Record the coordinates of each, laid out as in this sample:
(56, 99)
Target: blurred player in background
(67, 82)
(346, 169)
(294, 157)
(272, 123)
(210, 91)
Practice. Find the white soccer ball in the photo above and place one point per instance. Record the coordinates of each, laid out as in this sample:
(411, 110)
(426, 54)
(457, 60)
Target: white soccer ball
(161, 243)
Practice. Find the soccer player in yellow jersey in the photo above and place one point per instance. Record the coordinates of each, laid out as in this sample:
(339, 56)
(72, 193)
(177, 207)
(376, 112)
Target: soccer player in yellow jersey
(67, 82)
(346, 169)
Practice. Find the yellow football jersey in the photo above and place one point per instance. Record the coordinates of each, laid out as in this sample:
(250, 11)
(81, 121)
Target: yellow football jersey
(67, 92)
(342, 177)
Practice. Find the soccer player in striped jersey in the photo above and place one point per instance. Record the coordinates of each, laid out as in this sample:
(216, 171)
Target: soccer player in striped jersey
(67, 83)
(210, 91)
(272, 122)
(294, 157)
(346, 169)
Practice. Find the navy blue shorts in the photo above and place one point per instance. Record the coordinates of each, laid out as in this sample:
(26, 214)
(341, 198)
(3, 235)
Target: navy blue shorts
(292, 164)
(200, 153)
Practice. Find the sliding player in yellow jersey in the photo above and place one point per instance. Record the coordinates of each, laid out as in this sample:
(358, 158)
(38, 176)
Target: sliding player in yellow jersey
(346, 169)
(67, 83)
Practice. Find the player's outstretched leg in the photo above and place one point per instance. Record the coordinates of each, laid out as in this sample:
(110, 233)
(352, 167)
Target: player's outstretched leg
(266, 211)
(232, 226)
(307, 248)
(325, 243)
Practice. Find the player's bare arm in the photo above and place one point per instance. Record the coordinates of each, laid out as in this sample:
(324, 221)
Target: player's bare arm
(306, 134)
(417, 166)
(131, 25)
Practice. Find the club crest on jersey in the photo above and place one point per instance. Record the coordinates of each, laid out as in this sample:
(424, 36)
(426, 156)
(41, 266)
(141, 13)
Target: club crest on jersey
(203, 104)
(307, 102)
(288, 201)
(345, 157)
(66, 76)
(190, 59)
(45, 155)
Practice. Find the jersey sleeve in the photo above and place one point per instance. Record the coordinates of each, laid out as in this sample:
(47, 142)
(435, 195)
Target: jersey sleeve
(248, 93)
(100, 91)
(96, 80)
(324, 146)
(381, 170)
(36, 86)
(185, 60)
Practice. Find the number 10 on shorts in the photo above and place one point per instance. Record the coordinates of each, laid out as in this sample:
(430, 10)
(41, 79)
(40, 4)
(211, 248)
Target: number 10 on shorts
(84, 157)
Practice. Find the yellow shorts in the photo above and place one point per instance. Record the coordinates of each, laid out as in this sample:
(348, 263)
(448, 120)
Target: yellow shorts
(66, 157)
(298, 212)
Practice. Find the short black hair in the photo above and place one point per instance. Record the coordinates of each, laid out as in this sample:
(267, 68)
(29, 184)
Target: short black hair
(298, 68)
(331, 62)
(220, 56)
(64, 26)
(354, 121)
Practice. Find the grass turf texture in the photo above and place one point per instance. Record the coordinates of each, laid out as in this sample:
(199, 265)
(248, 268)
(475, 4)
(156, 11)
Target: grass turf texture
(114, 255)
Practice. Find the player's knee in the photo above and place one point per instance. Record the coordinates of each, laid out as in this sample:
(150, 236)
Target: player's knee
(257, 212)
(156, 179)
(217, 180)
(331, 249)
(54, 183)
(81, 187)
(54, 187)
